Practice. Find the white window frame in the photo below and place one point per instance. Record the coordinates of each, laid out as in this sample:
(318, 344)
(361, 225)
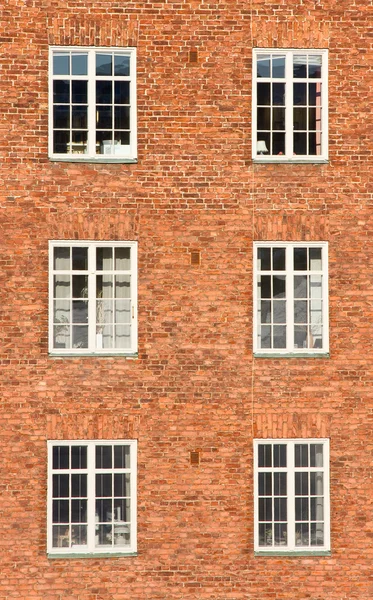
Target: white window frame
(289, 272)
(127, 153)
(92, 547)
(288, 155)
(292, 546)
(93, 341)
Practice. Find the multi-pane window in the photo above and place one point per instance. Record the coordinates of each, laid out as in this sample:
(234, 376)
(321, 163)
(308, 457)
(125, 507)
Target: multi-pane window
(290, 105)
(91, 497)
(290, 297)
(93, 291)
(291, 495)
(92, 103)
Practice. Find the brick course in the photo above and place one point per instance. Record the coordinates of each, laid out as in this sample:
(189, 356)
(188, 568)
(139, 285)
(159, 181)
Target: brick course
(195, 384)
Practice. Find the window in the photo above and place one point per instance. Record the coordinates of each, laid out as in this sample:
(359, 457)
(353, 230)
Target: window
(290, 105)
(91, 497)
(92, 104)
(93, 298)
(291, 489)
(290, 298)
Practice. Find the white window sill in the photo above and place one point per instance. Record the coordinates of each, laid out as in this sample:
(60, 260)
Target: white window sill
(129, 355)
(54, 556)
(274, 354)
(293, 553)
(295, 160)
(101, 160)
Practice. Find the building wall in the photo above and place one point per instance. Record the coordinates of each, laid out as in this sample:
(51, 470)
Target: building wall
(195, 384)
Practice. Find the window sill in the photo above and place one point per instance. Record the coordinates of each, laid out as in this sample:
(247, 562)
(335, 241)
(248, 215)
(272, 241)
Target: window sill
(131, 356)
(101, 160)
(293, 553)
(91, 555)
(291, 355)
(304, 161)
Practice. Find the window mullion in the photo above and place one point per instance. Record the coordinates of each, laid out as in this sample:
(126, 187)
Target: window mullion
(92, 298)
(289, 105)
(289, 299)
(91, 491)
(291, 495)
(91, 104)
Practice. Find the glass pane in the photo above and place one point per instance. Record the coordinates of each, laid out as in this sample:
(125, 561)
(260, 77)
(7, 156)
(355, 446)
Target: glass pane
(263, 65)
(121, 484)
(265, 311)
(278, 259)
(301, 455)
(122, 457)
(104, 92)
(279, 336)
(61, 311)
(279, 286)
(299, 66)
(122, 92)
(122, 510)
(264, 259)
(61, 63)
(264, 94)
(264, 455)
(104, 117)
(316, 286)
(121, 65)
(104, 259)
(104, 311)
(278, 94)
(315, 259)
(79, 64)
(121, 535)
(103, 457)
(317, 483)
(279, 455)
(300, 286)
(61, 486)
(280, 534)
(301, 484)
(278, 66)
(279, 311)
(60, 536)
(80, 286)
(265, 484)
(265, 509)
(107, 336)
(80, 311)
(104, 485)
(60, 511)
(316, 455)
(301, 509)
(300, 94)
(79, 142)
(79, 92)
(300, 311)
(122, 117)
(78, 486)
(122, 259)
(265, 337)
(278, 119)
(122, 336)
(104, 64)
(104, 286)
(314, 94)
(79, 535)
(62, 286)
(301, 534)
(265, 286)
(123, 138)
(263, 118)
(61, 258)
(61, 336)
(280, 484)
(122, 286)
(300, 119)
(104, 510)
(61, 140)
(317, 509)
(300, 259)
(300, 143)
(78, 457)
(61, 457)
(61, 91)
(79, 259)
(314, 66)
(61, 117)
(278, 143)
(280, 509)
(301, 336)
(104, 535)
(317, 534)
(79, 511)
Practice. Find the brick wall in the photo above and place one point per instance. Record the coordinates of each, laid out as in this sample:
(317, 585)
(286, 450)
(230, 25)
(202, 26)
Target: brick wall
(195, 383)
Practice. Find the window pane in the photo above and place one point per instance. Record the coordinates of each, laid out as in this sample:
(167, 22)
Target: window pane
(121, 457)
(104, 64)
(279, 336)
(302, 534)
(78, 486)
(278, 94)
(265, 509)
(61, 457)
(104, 259)
(79, 535)
(104, 117)
(317, 509)
(79, 258)
(316, 455)
(279, 455)
(317, 483)
(263, 65)
(122, 117)
(122, 286)
(301, 484)
(103, 457)
(79, 511)
(301, 509)
(61, 63)
(121, 65)
(61, 117)
(280, 534)
(104, 535)
(314, 66)
(280, 484)
(122, 92)
(78, 457)
(264, 94)
(279, 286)
(61, 486)
(299, 66)
(80, 286)
(104, 485)
(104, 92)
(79, 64)
(60, 511)
(265, 484)
(121, 484)
(279, 312)
(61, 91)
(104, 510)
(278, 66)
(300, 94)
(264, 455)
(80, 336)
(317, 534)
(301, 455)
(79, 92)
(280, 509)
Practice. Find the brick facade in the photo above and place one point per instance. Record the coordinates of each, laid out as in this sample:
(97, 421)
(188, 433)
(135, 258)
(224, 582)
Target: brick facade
(195, 384)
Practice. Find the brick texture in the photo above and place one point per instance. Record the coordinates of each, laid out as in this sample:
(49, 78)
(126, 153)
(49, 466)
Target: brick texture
(195, 384)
